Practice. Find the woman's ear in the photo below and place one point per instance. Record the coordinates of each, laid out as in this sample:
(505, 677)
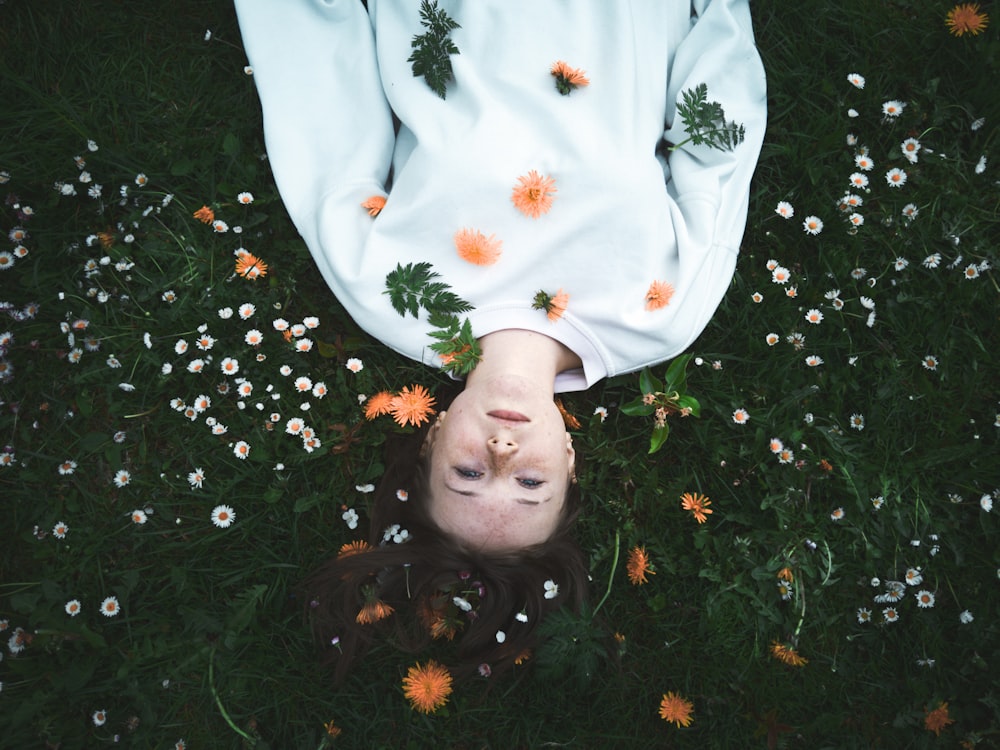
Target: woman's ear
(432, 434)
(571, 457)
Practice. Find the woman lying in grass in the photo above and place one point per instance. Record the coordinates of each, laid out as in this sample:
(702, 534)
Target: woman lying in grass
(532, 195)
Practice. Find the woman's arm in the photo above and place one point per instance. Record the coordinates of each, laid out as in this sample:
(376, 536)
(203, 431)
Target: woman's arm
(711, 187)
(327, 125)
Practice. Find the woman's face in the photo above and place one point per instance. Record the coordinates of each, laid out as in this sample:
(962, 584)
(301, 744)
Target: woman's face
(500, 465)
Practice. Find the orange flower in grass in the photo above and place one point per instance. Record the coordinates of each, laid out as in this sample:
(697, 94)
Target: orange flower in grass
(332, 730)
(676, 709)
(427, 686)
(787, 655)
(205, 215)
(476, 248)
(638, 567)
(379, 404)
(374, 609)
(435, 621)
(533, 194)
(698, 505)
(375, 204)
(554, 305)
(938, 719)
(353, 548)
(658, 295)
(413, 405)
(966, 18)
(571, 422)
(568, 78)
(249, 266)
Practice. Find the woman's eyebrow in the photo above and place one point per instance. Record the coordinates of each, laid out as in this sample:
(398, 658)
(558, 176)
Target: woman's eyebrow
(519, 501)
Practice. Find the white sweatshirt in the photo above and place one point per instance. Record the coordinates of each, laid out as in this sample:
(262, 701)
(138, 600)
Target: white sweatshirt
(330, 76)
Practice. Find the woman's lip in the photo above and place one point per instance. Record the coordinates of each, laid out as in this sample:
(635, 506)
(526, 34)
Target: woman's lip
(508, 416)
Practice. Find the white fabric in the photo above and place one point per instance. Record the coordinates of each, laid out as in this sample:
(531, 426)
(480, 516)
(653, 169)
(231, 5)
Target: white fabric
(330, 75)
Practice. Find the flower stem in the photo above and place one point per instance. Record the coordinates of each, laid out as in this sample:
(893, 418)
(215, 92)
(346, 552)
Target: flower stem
(611, 578)
(218, 701)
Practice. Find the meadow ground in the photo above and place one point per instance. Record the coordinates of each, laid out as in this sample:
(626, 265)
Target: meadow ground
(843, 592)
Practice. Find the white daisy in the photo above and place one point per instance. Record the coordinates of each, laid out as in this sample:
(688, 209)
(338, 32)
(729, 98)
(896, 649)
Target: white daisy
(223, 516)
(196, 478)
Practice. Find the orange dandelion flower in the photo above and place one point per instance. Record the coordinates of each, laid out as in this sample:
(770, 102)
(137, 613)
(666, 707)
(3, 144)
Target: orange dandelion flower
(441, 628)
(787, 655)
(557, 306)
(658, 295)
(434, 620)
(332, 730)
(638, 566)
(251, 267)
(938, 719)
(676, 709)
(533, 194)
(205, 215)
(375, 204)
(413, 406)
(476, 248)
(785, 574)
(825, 465)
(448, 357)
(379, 404)
(353, 548)
(373, 611)
(427, 686)
(571, 422)
(554, 305)
(698, 505)
(966, 18)
(568, 78)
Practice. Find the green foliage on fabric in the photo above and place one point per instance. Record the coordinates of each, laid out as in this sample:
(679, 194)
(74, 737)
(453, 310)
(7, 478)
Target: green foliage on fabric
(432, 49)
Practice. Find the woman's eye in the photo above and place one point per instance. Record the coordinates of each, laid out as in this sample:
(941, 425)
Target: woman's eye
(530, 483)
(468, 473)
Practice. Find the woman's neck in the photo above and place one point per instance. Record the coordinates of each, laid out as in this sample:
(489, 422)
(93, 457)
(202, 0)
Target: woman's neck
(526, 354)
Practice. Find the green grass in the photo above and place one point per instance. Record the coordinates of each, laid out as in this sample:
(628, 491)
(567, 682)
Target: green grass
(211, 644)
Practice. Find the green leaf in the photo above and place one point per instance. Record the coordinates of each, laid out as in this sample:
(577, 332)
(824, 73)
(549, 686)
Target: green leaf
(676, 376)
(636, 408)
(230, 145)
(658, 438)
(705, 121)
(307, 502)
(648, 382)
(432, 50)
(182, 167)
(244, 606)
(690, 402)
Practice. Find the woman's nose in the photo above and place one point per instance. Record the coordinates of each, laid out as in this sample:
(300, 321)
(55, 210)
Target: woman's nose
(501, 445)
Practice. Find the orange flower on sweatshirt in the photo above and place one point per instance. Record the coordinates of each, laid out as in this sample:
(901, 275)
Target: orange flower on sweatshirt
(475, 247)
(533, 194)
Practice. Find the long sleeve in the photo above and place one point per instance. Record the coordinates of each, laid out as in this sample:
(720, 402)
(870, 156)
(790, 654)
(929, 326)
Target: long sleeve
(327, 125)
(711, 187)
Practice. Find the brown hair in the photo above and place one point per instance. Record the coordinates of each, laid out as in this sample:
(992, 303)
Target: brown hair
(411, 586)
